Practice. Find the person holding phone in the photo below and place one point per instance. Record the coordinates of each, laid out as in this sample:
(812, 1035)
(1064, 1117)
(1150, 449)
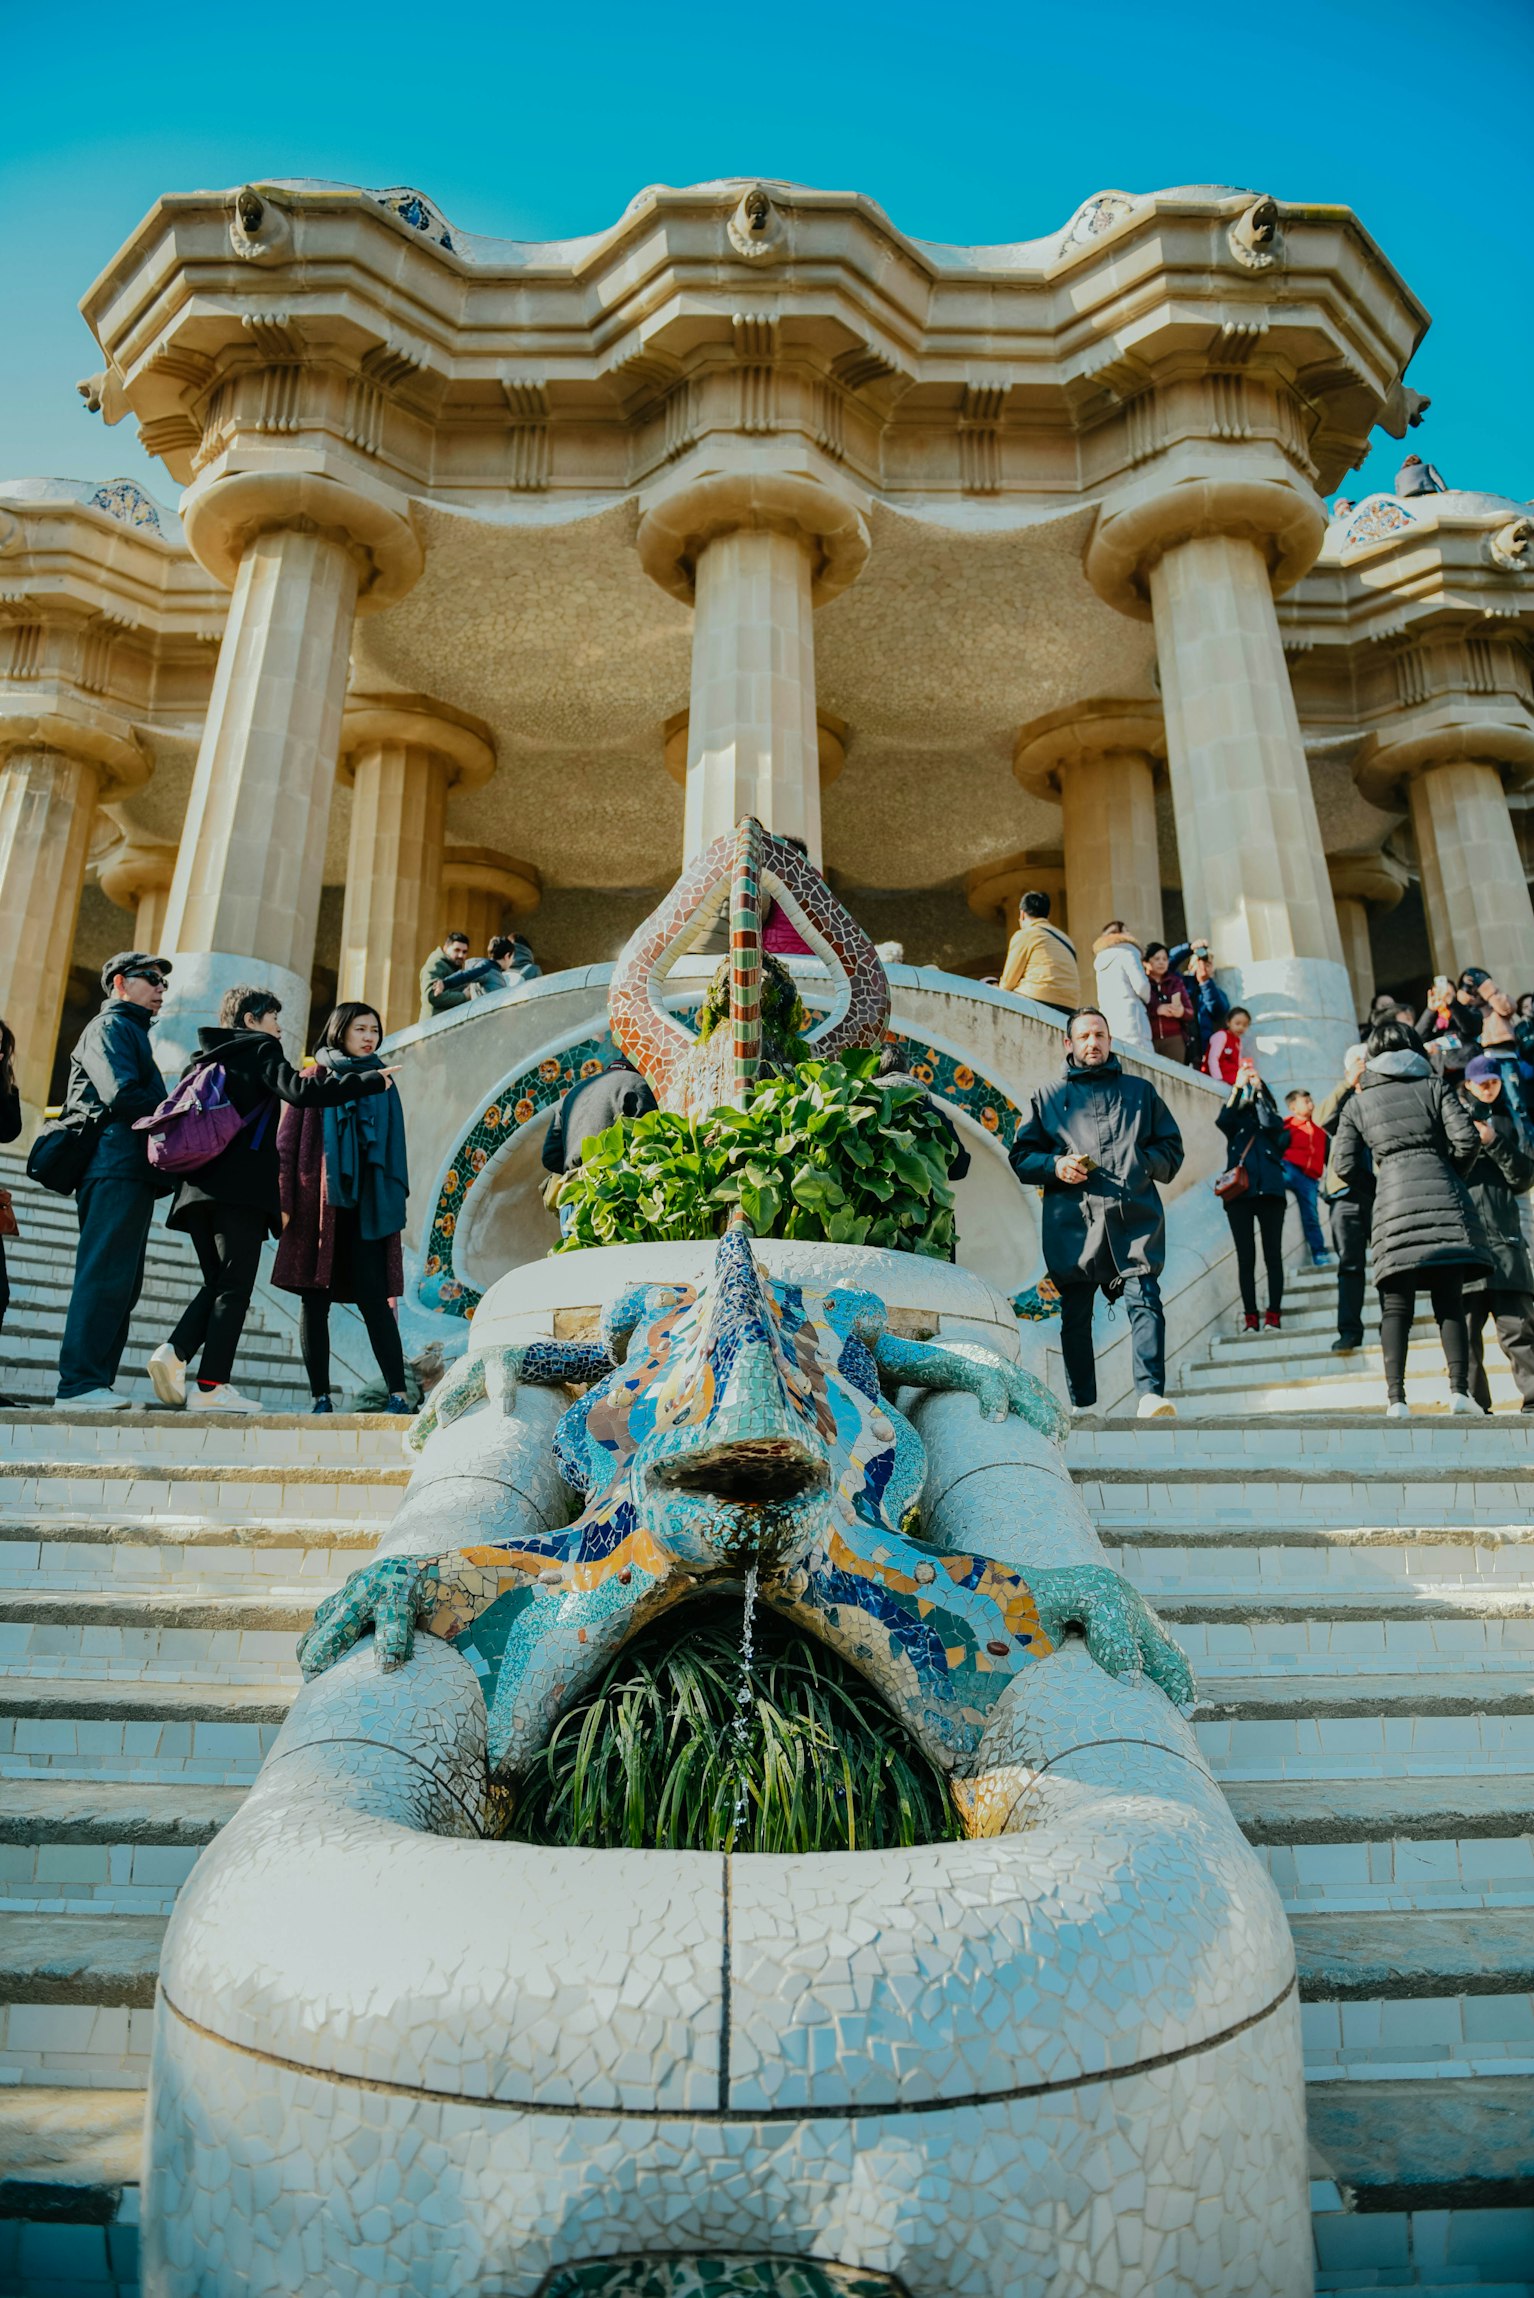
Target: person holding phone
(1101, 1145)
(1256, 1137)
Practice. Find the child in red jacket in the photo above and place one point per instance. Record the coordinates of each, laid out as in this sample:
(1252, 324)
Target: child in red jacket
(1304, 1163)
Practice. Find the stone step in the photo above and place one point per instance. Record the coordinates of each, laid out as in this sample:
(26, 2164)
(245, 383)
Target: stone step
(1172, 1561)
(1362, 1392)
(69, 2162)
(156, 1437)
(1365, 1633)
(230, 1495)
(150, 1556)
(77, 1998)
(77, 1847)
(96, 1728)
(1383, 1811)
(1465, 2145)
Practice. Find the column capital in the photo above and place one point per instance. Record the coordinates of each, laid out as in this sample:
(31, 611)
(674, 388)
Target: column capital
(994, 889)
(232, 503)
(480, 870)
(1046, 748)
(1285, 521)
(1371, 878)
(59, 722)
(1449, 732)
(135, 867)
(675, 530)
(831, 745)
(463, 744)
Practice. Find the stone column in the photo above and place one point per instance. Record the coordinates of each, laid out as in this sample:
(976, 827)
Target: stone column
(1203, 559)
(755, 553)
(401, 754)
(1098, 763)
(479, 888)
(54, 770)
(303, 552)
(1473, 887)
(137, 874)
(1361, 883)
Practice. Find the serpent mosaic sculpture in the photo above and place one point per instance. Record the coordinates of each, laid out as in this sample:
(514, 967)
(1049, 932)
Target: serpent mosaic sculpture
(1059, 2054)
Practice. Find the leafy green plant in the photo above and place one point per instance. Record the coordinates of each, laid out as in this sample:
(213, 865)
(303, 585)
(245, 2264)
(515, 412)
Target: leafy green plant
(827, 1150)
(650, 1758)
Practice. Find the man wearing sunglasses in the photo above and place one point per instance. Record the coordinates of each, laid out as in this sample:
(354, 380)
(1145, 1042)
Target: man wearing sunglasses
(112, 1081)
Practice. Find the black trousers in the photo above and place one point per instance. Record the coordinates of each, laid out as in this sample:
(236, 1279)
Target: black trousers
(114, 1211)
(1147, 1336)
(227, 1240)
(1513, 1316)
(1248, 1216)
(1398, 1305)
(1349, 1225)
(358, 1268)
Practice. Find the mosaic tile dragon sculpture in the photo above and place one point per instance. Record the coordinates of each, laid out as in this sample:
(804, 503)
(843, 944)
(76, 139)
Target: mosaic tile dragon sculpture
(744, 1423)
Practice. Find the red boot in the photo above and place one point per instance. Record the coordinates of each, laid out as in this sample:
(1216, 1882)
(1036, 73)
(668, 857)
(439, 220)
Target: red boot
(1249, 1323)
(1273, 1320)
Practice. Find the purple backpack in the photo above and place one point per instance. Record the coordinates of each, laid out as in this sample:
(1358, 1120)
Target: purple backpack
(197, 1122)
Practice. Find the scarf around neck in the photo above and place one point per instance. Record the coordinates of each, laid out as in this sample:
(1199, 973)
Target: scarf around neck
(365, 1168)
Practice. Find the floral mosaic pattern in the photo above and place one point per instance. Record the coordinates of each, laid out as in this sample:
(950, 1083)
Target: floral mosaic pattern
(121, 499)
(1376, 518)
(532, 1093)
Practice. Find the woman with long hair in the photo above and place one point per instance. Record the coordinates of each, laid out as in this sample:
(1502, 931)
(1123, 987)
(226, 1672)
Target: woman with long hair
(344, 1182)
(230, 1206)
(1255, 1137)
(1426, 1233)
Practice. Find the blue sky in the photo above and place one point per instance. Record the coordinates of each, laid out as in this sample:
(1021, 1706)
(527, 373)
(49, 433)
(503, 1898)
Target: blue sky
(968, 126)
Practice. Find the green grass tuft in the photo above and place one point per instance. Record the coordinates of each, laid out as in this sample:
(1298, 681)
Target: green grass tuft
(648, 1760)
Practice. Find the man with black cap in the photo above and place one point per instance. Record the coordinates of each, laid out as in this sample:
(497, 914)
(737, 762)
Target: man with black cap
(112, 1081)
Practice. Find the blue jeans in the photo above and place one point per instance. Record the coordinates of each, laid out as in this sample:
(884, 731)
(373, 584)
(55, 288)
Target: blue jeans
(1306, 1188)
(114, 1212)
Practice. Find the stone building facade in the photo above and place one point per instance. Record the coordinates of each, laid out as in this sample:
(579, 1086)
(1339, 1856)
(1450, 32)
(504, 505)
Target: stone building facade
(506, 575)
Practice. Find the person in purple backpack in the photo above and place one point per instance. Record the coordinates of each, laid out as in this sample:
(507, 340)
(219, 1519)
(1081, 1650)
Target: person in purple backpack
(230, 1206)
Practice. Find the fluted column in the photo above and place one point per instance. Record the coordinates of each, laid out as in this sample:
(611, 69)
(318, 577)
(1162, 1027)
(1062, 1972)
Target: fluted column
(401, 754)
(1473, 887)
(480, 889)
(137, 875)
(1361, 883)
(1098, 763)
(54, 770)
(1202, 558)
(755, 553)
(304, 553)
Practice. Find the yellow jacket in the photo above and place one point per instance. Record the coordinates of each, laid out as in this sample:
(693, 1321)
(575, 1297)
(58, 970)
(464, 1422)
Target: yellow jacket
(1041, 963)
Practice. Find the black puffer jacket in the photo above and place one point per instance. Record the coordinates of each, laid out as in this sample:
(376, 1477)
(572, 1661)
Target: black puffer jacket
(112, 1070)
(1503, 1172)
(258, 1076)
(1115, 1220)
(1416, 1130)
(1252, 1127)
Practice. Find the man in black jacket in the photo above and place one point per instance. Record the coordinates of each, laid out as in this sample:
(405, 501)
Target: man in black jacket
(112, 1081)
(1503, 1172)
(1101, 1145)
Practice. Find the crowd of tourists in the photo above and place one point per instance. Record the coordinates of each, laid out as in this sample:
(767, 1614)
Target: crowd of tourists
(1418, 1155)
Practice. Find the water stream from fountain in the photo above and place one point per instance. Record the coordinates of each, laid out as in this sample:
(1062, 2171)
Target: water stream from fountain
(740, 1729)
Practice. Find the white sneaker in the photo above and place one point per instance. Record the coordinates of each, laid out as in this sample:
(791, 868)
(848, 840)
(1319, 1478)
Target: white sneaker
(94, 1400)
(223, 1399)
(167, 1377)
(1400, 1410)
(1085, 1412)
(1466, 1407)
(1155, 1408)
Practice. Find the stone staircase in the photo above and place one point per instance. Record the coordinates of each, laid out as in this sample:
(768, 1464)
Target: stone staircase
(40, 1264)
(1294, 1370)
(1356, 1597)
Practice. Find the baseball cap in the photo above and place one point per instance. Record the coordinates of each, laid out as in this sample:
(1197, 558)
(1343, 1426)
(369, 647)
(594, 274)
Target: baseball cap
(1482, 1067)
(131, 962)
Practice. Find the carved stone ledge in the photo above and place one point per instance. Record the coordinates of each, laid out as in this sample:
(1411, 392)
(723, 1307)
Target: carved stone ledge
(678, 529)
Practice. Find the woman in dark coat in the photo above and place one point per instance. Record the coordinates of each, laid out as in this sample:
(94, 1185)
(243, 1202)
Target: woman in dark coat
(344, 1186)
(1426, 1231)
(10, 1127)
(1255, 1138)
(230, 1206)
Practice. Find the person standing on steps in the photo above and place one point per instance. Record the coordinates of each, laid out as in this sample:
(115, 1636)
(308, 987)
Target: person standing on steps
(113, 1081)
(344, 1182)
(1174, 1025)
(1210, 1004)
(1041, 959)
(1349, 1210)
(1503, 1172)
(1256, 1203)
(230, 1206)
(1426, 1232)
(1102, 1145)
(1305, 1150)
(10, 1130)
(1124, 987)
